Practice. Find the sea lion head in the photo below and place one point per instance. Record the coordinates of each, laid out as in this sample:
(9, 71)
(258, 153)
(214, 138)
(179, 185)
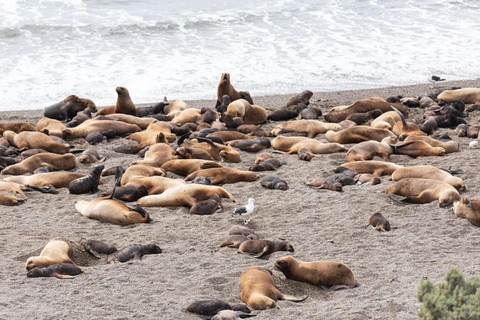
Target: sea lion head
(462, 207)
(230, 156)
(122, 91)
(89, 105)
(33, 262)
(285, 264)
(225, 78)
(286, 246)
(448, 197)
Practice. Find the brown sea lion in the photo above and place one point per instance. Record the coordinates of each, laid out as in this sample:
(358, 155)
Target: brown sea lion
(51, 127)
(86, 184)
(68, 108)
(358, 134)
(193, 153)
(89, 156)
(466, 95)
(242, 230)
(258, 290)
(469, 209)
(55, 251)
(228, 135)
(213, 307)
(274, 182)
(424, 191)
(309, 127)
(428, 172)
(16, 127)
(303, 97)
(58, 161)
(207, 206)
(35, 140)
(57, 179)
(379, 222)
(143, 123)
(367, 150)
(184, 167)
(226, 88)
(93, 125)
(81, 116)
(216, 150)
(124, 104)
(92, 246)
(157, 155)
(250, 114)
(59, 270)
(305, 154)
(294, 144)
(270, 164)
(10, 199)
(207, 116)
(189, 115)
(264, 248)
(223, 175)
(449, 146)
(328, 274)
(184, 195)
(403, 128)
(250, 145)
(234, 241)
(136, 251)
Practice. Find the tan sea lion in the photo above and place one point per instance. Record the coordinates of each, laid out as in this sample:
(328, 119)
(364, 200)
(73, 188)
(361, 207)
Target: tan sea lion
(154, 184)
(16, 127)
(35, 140)
(264, 248)
(226, 88)
(10, 200)
(184, 167)
(234, 241)
(157, 155)
(143, 123)
(144, 139)
(294, 144)
(59, 270)
(415, 148)
(228, 135)
(51, 127)
(403, 128)
(358, 134)
(309, 127)
(175, 106)
(367, 150)
(55, 251)
(428, 172)
(92, 125)
(216, 150)
(449, 146)
(379, 222)
(58, 161)
(330, 274)
(258, 290)
(469, 209)
(89, 155)
(250, 114)
(378, 168)
(466, 95)
(57, 179)
(424, 191)
(386, 120)
(223, 175)
(136, 171)
(68, 108)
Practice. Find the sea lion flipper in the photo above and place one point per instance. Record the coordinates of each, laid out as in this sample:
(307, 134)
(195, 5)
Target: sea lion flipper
(118, 177)
(263, 253)
(62, 276)
(138, 209)
(243, 315)
(293, 298)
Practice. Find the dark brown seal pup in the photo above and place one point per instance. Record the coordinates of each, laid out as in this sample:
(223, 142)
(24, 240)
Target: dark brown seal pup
(281, 115)
(212, 307)
(250, 145)
(55, 251)
(60, 270)
(35, 140)
(274, 182)
(264, 248)
(68, 108)
(469, 209)
(258, 290)
(135, 251)
(95, 137)
(305, 154)
(92, 246)
(88, 183)
(303, 97)
(379, 222)
(327, 274)
(207, 206)
(226, 88)
(81, 117)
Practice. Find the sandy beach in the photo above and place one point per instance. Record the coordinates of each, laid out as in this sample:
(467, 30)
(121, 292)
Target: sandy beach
(320, 224)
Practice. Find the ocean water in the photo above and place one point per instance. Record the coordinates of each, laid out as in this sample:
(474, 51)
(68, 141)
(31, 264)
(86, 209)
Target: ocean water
(50, 49)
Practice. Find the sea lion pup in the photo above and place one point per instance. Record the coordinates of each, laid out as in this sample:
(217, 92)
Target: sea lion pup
(225, 88)
(252, 129)
(57, 179)
(303, 97)
(16, 127)
(143, 123)
(89, 156)
(294, 144)
(50, 127)
(258, 290)
(124, 104)
(363, 106)
(113, 211)
(335, 182)
(189, 115)
(35, 140)
(184, 167)
(235, 240)
(212, 307)
(379, 222)
(274, 182)
(403, 128)
(331, 275)
(310, 113)
(270, 164)
(428, 172)
(68, 108)
(466, 95)
(208, 206)
(216, 150)
(88, 183)
(250, 113)
(55, 251)
(305, 154)
(358, 134)
(93, 125)
(223, 175)
(183, 195)
(469, 209)
(473, 131)
(262, 157)
(81, 117)
(136, 251)
(386, 120)
(418, 190)
(59, 270)
(242, 230)
(429, 125)
(222, 107)
(449, 146)
(282, 115)
(157, 155)
(250, 145)
(361, 118)
(95, 137)
(92, 246)
(230, 121)
(264, 248)
(309, 127)
(207, 116)
(367, 150)
(58, 161)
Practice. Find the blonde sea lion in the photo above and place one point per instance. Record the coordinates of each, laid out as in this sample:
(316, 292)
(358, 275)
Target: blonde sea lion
(185, 116)
(403, 128)
(250, 114)
(92, 125)
(58, 161)
(16, 127)
(379, 222)
(386, 120)
(184, 167)
(449, 146)
(309, 127)
(136, 171)
(175, 107)
(157, 155)
(418, 190)
(68, 108)
(228, 135)
(234, 241)
(216, 150)
(469, 209)
(264, 248)
(378, 168)
(59, 270)
(57, 179)
(294, 144)
(51, 127)
(143, 139)
(55, 251)
(367, 150)
(154, 184)
(223, 175)
(428, 172)
(143, 123)
(226, 88)
(358, 134)
(330, 274)
(35, 140)
(466, 95)
(258, 290)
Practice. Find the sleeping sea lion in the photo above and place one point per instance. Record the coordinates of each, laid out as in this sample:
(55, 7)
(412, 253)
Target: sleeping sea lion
(136, 251)
(55, 251)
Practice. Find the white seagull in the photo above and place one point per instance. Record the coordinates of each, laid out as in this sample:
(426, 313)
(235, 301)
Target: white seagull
(245, 210)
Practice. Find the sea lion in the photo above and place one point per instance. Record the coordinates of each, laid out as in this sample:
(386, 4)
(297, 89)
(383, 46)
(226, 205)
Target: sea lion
(153, 110)
(309, 127)
(81, 117)
(335, 182)
(222, 107)
(93, 125)
(274, 182)
(250, 114)
(303, 97)
(175, 107)
(58, 161)
(124, 104)
(305, 154)
(361, 118)
(35, 140)
(294, 144)
(89, 156)
(469, 209)
(207, 116)
(270, 164)
(68, 108)
(327, 274)
(60, 270)
(231, 121)
(379, 222)
(310, 113)
(92, 246)
(135, 171)
(358, 134)
(231, 315)
(429, 125)
(418, 190)
(157, 155)
(143, 123)
(223, 175)
(95, 137)
(216, 150)
(10, 199)
(262, 157)
(226, 88)
(212, 307)
(282, 115)
(403, 128)
(50, 127)
(386, 120)
(55, 251)
(144, 139)
(466, 95)
(449, 146)
(113, 211)
(377, 168)
(250, 145)
(184, 195)
(57, 179)
(367, 150)
(189, 115)
(136, 251)
(428, 172)
(258, 290)
(184, 167)
(235, 240)
(264, 248)
(207, 206)
(415, 148)
(242, 230)
(228, 135)
(193, 153)
(88, 183)
(16, 127)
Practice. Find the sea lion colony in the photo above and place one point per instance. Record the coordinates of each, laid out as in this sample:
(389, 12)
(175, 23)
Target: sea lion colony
(179, 140)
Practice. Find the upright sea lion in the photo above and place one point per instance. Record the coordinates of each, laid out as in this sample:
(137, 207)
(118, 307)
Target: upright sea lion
(466, 95)
(358, 134)
(223, 175)
(184, 167)
(330, 274)
(303, 97)
(136, 251)
(469, 209)
(124, 104)
(57, 179)
(428, 172)
(424, 191)
(259, 291)
(274, 182)
(59, 162)
(68, 108)
(208, 206)
(16, 127)
(294, 144)
(35, 140)
(93, 125)
(264, 248)
(379, 222)
(309, 127)
(226, 88)
(88, 183)
(367, 150)
(55, 251)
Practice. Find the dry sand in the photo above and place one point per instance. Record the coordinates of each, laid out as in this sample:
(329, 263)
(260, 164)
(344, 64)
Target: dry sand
(321, 225)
